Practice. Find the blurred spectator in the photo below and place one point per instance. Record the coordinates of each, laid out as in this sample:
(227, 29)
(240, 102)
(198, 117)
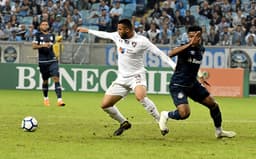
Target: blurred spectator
(153, 33)
(249, 18)
(25, 8)
(189, 19)
(204, 36)
(57, 25)
(180, 6)
(156, 12)
(223, 24)
(115, 14)
(103, 5)
(68, 8)
(30, 33)
(236, 5)
(58, 8)
(250, 40)
(76, 15)
(64, 32)
(20, 35)
(225, 36)
(50, 6)
(6, 8)
(217, 9)
(84, 5)
(178, 19)
(225, 7)
(140, 30)
(165, 34)
(213, 37)
(35, 22)
(145, 23)
(176, 38)
(104, 21)
(16, 8)
(238, 37)
(237, 19)
(205, 10)
(69, 21)
(167, 7)
(14, 21)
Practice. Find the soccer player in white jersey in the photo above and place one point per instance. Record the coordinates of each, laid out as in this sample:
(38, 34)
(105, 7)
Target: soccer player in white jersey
(131, 71)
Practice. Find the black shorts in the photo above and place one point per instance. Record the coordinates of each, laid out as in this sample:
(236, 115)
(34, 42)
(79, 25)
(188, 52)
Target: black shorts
(180, 94)
(49, 69)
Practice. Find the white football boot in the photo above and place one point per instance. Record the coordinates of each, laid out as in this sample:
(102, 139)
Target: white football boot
(222, 133)
(162, 122)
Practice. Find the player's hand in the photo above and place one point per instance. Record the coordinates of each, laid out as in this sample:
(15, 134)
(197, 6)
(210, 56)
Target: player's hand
(82, 29)
(48, 45)
(197, 37)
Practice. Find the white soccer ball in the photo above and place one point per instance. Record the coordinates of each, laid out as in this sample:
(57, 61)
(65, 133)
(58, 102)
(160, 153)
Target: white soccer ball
(29, 124)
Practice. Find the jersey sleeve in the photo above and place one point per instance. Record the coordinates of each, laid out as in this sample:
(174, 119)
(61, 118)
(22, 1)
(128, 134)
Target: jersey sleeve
(155, 50)
(36, 39)
(102, 34)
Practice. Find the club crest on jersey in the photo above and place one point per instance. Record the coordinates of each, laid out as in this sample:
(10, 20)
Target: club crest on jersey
(121, 50)
(192, 52)
(134, 44)
(180, 95)
(126, 41)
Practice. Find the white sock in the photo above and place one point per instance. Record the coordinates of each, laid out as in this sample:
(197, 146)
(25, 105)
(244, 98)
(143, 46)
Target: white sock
(150, 108)
(59, 99)
(218, 130)
(114, 113)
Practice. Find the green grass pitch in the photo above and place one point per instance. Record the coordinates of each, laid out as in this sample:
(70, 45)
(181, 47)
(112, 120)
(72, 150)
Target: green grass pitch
(81, 130)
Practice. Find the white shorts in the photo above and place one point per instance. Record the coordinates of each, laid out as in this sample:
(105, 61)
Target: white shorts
(123, 85)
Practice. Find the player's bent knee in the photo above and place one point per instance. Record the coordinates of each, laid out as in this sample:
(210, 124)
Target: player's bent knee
(184, 115)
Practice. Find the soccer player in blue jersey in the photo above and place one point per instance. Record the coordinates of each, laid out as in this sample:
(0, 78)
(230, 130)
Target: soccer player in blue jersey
(48, 62)
(184, 84)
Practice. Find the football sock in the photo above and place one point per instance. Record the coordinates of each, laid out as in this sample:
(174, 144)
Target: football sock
(45, 90)
(59, 99)
(150, 108)
(216, 116)
(174, 115)
(114, 113)
(58, 89)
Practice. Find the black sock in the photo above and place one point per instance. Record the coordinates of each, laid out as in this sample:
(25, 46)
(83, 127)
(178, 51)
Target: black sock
(216, 115)
(45, 90)
(58, 89)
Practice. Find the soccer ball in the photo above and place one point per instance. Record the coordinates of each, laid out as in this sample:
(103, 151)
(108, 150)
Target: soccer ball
(29, 124)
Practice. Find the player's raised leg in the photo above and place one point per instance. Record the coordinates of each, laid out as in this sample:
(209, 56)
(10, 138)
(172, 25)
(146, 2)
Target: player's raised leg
(182, 112)
(108, 105)
(150, 107)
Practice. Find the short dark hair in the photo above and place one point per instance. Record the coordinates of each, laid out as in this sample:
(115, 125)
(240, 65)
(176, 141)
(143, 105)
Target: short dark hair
(127, 23)
(194, 28)
(44, 21)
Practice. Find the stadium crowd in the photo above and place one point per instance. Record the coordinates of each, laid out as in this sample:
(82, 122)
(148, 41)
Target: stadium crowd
(224, 22)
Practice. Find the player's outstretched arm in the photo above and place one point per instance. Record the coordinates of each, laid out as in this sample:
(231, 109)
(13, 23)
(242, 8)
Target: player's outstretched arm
(155, 50)
(101, 34)
(82, 30)
(179, 49)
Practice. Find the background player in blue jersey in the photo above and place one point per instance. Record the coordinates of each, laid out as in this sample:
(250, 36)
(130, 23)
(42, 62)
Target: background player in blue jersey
(48, 62)
(184, 84)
